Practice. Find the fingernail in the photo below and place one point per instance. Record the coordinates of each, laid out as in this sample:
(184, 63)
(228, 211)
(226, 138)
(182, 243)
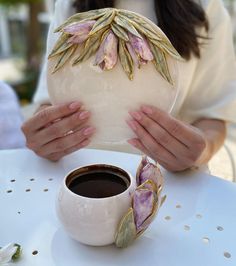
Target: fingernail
(84, 114)
(75, 105)
(132, 124)
(147, 109)
(136, 115)
(88, 131)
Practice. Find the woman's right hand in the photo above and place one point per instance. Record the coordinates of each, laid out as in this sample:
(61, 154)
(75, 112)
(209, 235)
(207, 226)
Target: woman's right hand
(55, 131)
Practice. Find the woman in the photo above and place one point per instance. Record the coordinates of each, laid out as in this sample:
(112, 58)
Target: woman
(196, 129)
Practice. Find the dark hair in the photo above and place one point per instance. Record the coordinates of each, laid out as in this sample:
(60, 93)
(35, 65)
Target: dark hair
(179, 19)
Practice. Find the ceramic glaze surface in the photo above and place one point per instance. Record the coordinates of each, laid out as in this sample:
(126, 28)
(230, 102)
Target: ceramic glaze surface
(109, 95)
(92, 221)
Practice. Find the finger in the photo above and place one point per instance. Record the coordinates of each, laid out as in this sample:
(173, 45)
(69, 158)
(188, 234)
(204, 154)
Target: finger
(57, 156)
(160, 134)
(170, 166)
(66, 142)
(62, 127)
(138, 145)
(149, 142)
(176, 128)
(49, 115)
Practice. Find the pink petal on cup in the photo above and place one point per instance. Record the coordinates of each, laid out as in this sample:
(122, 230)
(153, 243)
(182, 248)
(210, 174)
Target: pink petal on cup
(149, 171)
(79, 28)
(107, 54)
(143, 204)
(141, 47)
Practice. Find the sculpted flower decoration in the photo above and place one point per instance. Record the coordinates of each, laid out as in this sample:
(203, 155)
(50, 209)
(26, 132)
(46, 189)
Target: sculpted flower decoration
(111, 34)
(146, 201)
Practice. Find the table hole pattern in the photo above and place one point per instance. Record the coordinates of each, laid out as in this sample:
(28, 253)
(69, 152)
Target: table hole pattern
(35, 252)
(28, 189)
(227, 255)
(178, 207)
(198, 216)
(206, 240)
(220, 228)
(187, 228)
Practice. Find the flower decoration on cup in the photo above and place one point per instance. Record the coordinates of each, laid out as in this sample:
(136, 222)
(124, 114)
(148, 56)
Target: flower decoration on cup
(111, 34)
(146, 201)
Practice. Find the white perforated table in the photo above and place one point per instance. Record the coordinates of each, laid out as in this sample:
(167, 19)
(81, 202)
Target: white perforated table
(196, 226)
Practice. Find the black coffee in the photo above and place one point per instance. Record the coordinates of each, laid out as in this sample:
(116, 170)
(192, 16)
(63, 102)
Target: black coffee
(98, 184)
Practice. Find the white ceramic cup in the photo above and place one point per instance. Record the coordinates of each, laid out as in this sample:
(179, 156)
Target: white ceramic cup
(93, 221)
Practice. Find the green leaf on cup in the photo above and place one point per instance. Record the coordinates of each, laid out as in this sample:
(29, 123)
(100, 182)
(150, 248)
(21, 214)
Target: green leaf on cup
(126, 232)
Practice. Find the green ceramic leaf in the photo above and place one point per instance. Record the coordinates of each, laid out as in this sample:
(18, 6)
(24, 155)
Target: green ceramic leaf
(167, 47)
(142, 26)
(103, 22)
(133, 17)
(64, 57)
(60, 45)
(126, 60)
(119, 32)
(90, 47)
(84, 16)
(163, 199)
(160, 62)
(62, 49)
(159, 190)
(126, 232)
(126, 24)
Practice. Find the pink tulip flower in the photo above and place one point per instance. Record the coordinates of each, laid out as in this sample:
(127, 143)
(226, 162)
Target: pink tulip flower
(107, 55)
(79, 31)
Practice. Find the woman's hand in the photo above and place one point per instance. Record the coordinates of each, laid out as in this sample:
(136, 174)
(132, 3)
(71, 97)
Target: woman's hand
(174, 144)
(55, 131)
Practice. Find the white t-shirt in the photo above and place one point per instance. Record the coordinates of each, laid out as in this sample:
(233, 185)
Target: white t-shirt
(208, 84)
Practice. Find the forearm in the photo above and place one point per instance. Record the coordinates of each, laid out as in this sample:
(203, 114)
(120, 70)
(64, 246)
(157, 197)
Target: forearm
(214, 132)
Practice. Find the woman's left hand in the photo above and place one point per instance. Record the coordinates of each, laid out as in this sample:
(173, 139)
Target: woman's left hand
(173, 144)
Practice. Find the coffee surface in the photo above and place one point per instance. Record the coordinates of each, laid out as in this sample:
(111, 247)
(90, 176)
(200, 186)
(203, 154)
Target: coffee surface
(98, 185)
